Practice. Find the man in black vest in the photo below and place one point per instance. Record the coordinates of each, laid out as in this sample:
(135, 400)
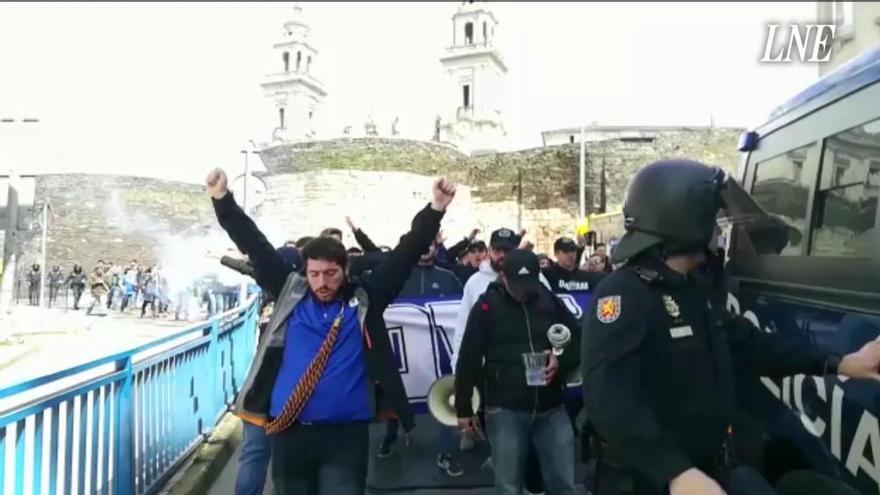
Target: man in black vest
(506, 349)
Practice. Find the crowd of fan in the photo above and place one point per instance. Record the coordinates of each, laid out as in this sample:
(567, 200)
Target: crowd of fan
(458, 261)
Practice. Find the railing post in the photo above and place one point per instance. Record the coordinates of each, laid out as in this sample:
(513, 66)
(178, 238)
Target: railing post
(123, 427)
(216, 379)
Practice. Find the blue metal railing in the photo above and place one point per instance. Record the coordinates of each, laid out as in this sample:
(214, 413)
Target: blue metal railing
(123, 423)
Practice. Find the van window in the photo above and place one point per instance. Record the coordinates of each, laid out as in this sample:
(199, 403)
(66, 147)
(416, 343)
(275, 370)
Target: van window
(847, 219)
(782, 186)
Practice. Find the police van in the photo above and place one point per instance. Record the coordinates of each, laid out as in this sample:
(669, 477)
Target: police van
(815, 166)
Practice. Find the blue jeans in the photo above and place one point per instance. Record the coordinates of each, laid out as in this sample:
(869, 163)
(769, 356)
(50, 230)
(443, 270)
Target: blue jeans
(511, 432)
(256, 451)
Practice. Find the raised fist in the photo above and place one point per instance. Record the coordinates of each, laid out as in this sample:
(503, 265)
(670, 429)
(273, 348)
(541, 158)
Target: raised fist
(216, 183)
(444, 192)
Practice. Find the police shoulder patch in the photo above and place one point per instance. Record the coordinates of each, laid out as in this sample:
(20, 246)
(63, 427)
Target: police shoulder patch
(608, 309)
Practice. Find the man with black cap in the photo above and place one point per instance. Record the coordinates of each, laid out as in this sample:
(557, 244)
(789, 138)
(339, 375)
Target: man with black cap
(506, 352)
(658, 352)
(564, 275)
(501, 242)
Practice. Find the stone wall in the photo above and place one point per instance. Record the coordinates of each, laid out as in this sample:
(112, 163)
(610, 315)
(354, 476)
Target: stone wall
(329, 172)
(379, 182)
(381, 203)
(368, 154)
(112, 218)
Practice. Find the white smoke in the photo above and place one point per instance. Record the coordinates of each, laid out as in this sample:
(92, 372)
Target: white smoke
(183, 257)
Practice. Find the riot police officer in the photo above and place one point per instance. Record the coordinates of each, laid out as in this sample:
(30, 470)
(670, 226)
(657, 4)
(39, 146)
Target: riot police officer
(658, 353)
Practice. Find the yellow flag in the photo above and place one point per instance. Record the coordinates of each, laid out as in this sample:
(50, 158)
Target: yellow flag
(584, 226)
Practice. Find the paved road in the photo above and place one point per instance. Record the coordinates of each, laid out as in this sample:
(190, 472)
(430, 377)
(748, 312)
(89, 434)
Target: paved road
(409, 471)
(225, 483)
(59, 339)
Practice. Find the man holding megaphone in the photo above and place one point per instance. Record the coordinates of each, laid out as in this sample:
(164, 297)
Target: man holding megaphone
(507, 349)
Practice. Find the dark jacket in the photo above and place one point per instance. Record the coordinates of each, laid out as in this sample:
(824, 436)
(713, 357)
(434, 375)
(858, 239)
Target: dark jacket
(365, 242)
(499, 330)
(563, 281)
(371, 295)
(428, 281)
(55, 277)
(76, 279)
(453, 252)
(362, 265)
(658, 365)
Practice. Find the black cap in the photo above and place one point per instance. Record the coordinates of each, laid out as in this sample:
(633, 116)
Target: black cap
(477, 246)
(504, 239)
(522, 272)
(565, 244)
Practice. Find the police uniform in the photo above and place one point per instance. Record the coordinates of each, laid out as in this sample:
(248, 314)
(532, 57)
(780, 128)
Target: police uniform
(658, 356)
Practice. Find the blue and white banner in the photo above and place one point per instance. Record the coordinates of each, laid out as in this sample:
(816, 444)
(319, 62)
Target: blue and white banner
(422, 331)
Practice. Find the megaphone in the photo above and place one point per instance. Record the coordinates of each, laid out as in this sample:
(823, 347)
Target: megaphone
(441, 401)
(559, 336)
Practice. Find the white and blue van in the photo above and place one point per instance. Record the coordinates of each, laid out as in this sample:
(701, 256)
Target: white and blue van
(815, 164)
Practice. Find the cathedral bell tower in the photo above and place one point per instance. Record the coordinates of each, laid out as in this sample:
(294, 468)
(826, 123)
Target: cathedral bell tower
(474, 71)
(297, 94)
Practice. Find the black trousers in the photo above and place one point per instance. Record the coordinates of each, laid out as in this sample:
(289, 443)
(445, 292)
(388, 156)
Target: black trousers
(34, 294)
(77, 294)
(321, 459)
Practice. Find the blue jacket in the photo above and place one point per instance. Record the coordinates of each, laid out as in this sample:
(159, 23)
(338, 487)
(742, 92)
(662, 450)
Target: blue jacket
(371, 296)
(427, 281)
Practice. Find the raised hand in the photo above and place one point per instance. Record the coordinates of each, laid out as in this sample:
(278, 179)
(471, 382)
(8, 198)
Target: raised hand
(351, 224)
(474, 234)
(443, 193)
(216, 183)
(694, 482)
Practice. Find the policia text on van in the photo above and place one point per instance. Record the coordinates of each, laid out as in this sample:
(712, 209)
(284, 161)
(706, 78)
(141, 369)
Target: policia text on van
(815, 163)
(658, 357)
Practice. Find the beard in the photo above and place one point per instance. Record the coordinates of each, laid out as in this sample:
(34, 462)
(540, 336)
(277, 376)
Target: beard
(496, 265)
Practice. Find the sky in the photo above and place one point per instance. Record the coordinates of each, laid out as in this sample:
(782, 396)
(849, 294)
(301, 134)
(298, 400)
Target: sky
(170, 90)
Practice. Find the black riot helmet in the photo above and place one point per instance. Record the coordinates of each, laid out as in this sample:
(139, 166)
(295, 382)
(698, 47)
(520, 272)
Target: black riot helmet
(672, 205)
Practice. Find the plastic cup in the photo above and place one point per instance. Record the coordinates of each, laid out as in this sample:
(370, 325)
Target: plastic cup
(535, 363)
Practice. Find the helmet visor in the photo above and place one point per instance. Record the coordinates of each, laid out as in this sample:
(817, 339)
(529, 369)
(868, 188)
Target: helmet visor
(767, 233)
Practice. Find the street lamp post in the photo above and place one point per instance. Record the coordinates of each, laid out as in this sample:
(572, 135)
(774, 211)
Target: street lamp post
(242, 295)
(10, 243)
(44, 225)
(582, 203)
